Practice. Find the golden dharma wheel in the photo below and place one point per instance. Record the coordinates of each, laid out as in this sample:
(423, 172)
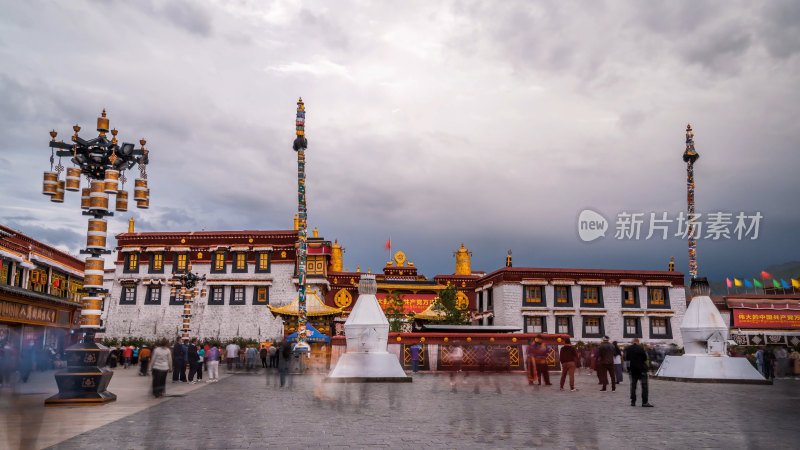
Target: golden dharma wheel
(73, 179)
(50, 183)
(140, 189)
(85, 198)
(112, 181)
(122, 201)
(59, 197)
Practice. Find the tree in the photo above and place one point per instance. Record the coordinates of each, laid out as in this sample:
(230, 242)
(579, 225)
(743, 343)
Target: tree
(448, 303)
(395, 312)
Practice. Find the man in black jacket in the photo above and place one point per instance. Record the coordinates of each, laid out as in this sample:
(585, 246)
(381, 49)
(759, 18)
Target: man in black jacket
(194, 361)
(568, 358)
(178, 364)
(605, 364)
(637, 358)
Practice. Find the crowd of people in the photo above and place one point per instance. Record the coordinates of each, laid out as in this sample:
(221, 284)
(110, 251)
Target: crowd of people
(775, 362)
(27, 359)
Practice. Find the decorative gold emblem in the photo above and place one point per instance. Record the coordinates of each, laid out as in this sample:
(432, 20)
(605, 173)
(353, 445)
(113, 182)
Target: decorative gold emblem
(199, 255)
(90, 358)
(343, 298)
(183, 241)
(462, 301)
(250, 240)
(400, 259)
(463, 284)
(283, 254)
(88, 383)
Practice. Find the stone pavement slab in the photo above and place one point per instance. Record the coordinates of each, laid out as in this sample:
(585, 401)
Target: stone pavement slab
(496, 411)
(26, 423)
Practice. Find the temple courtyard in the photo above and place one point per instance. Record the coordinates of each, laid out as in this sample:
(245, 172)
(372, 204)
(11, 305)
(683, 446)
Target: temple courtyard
(482, 410)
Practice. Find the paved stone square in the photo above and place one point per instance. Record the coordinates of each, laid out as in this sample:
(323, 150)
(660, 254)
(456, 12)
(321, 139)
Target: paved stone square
(496, 411)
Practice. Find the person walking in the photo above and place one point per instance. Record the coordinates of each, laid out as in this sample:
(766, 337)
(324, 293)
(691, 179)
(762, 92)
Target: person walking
(284, 357)
(135, 356)
(540, 358)
(617, 362)
(569, 359)
(144, 360)
(263, 354)
(530, 363)
(201, 352)
(760, 361)
(160, 364)
(127, 354)
(194, 360)
(178, 364)
(273, 355)
(769, 364)
(415, 352)
(637, 358)
(250, 357)
(232, 355)
(605, 364)
(212, 363)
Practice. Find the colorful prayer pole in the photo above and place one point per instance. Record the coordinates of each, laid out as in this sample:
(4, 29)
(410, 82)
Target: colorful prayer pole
(300, 145)
(689, 157)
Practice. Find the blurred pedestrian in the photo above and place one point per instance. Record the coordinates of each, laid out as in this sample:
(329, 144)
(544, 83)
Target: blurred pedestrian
(200, 361)
(8, 363)
(284, 360)
(144, 360)
(135, 356)
(781, 362)
(794, 358)
(273, 355)
(263, 354)
(127, 353)
(637, 357)
(232, 355)
(212, 363)
(617, 362)
(568, 358)
(605, 364)
(27, 361)
(250, 357)
(415, 352)
(160, 364)
(194, 360)
(769, 364)
(178, 364)
(760, 361)
(540, 357)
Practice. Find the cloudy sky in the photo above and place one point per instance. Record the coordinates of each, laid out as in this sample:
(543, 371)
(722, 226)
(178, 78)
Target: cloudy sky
(433, 123)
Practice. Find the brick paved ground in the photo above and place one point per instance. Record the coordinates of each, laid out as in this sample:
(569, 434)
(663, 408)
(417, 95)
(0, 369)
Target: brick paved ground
(497, 411)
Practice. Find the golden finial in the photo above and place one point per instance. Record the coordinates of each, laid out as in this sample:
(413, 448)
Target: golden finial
(315, 233)
(130, 225)
(369, 270)
(53, 135)
(358, 268)
(114, 136)
(142, 142)
(104, 112)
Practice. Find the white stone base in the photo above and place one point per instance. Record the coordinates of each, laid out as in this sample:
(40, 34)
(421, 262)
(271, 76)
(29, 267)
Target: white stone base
(365, 366)
(709, 369)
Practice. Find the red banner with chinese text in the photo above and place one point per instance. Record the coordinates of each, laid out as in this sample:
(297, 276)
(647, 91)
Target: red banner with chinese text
(755, 318)
(412, 303)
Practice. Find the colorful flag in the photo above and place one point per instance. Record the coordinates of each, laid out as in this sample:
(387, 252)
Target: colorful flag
(388, 244)
(765, 275)
(757, 283)
(795, 283)
(747, 283)
(775, 284)
(785, 284)
(728, 282)
(737, 282)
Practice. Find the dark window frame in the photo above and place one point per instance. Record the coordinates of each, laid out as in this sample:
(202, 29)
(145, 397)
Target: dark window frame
(667, 325)
(542, 321)
(232, 300)
(542, 298)
(259, 268)
(255, 295)
(584, 290)
(638, 332)
(489, 300)
(568, 304)
(125, 287)
(175, 262)
(150, 268)
(235, 261)
(570, 330)
(601, 327)
(148, 298)
(127, 267)
(635, 297)
(214, 257)
(650, 304)
(212, 290)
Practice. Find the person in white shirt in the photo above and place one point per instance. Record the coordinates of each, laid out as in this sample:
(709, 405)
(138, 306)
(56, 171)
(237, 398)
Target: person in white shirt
(231, 355)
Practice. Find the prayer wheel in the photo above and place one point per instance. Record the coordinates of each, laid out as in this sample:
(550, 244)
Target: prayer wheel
(98, 199)
(143, 204)
(92, 304)
(140, 189)
(112, 181)
(93, 273)
(89, 321)
(96, 237)
(73, 179)
(59, 197)
(50, 184)
(85, 198)
(122, 201)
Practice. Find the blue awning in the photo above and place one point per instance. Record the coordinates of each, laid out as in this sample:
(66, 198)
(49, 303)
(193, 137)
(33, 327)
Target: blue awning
(315, 335)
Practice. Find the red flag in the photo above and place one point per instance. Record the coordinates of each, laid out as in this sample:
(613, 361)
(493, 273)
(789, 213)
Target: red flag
(765, 275)
(388, 244)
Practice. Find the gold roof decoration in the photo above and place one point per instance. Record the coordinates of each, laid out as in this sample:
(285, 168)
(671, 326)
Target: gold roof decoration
(315, 307)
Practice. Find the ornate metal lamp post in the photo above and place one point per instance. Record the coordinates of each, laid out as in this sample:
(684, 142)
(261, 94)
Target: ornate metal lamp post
(185, 288)
(300, 145)
(103, 162)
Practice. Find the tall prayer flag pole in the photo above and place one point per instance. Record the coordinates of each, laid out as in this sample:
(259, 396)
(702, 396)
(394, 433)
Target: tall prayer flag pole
(300, 145)
(689, 157)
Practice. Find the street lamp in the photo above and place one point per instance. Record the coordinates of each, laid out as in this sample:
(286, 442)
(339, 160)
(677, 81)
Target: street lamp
(103, 162)
(185, 288)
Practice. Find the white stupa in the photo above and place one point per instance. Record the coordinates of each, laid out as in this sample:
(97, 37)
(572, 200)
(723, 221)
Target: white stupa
(705, 340)
(367, 334)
